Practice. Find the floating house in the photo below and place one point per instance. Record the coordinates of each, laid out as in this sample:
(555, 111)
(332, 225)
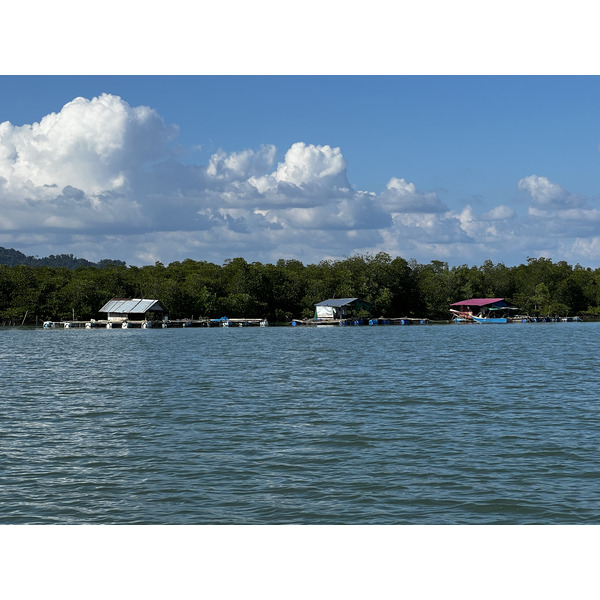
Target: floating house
(120, 310)
(496, 310)
(337, 308)
(336, 311)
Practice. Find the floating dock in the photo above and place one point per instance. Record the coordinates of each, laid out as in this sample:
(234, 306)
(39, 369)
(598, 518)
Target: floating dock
(519, 319)
(356, 322)
(129, 324)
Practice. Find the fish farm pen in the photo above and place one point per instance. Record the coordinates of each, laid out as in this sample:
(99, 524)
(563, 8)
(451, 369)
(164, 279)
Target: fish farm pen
(225, 322)
(144, 313)
(127, 324)
(353, 322)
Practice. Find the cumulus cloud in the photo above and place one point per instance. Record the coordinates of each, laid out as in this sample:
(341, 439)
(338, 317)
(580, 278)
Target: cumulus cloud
(101, 170)
(402, 197)
(99, 179)
(499, 213)
(586, 248)
(73, 169)
(307, 172)
(306, 164)
(90, 144)
(237, 166)
(548, 195)
(555, 212)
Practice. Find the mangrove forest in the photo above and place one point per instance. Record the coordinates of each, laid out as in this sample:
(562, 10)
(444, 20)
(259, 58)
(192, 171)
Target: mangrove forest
(288, 289)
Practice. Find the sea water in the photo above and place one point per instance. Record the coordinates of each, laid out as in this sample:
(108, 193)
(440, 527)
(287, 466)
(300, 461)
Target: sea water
(428, 424)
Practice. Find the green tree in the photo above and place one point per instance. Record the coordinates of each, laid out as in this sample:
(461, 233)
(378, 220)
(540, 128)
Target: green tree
(434, 286)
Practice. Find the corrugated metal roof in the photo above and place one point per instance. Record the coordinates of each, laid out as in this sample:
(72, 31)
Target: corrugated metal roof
(482, 302)
(131, 305)
(337, 302)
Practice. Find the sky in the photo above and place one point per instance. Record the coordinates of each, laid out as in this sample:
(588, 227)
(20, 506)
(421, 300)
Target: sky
(457, 165)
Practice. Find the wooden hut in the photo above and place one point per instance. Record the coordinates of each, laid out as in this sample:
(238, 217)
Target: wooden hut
(132, 309)
(337, 308)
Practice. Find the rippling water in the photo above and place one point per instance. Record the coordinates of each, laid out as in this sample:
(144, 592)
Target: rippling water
(443, 424)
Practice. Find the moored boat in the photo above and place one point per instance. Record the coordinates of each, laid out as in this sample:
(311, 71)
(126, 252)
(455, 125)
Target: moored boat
(487, 309)
(491, 319)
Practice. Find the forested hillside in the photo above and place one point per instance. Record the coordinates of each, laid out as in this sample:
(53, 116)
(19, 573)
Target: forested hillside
(11, 257)
(289, 289)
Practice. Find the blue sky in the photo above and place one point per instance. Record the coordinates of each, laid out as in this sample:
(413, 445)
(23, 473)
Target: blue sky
(452, 166)
(478, 133)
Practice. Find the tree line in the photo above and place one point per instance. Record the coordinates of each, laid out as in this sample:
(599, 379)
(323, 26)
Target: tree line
(289, 289)
(12, 257)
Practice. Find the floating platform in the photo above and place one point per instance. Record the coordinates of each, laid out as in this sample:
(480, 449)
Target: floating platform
(519, 319)
(127, 324)
(357, 322)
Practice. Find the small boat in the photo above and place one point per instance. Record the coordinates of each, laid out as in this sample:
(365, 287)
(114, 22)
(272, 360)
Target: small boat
(459, 316)
(464, 311)
(491, 319)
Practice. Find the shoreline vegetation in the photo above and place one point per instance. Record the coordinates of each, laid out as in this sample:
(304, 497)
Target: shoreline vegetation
(64, 287)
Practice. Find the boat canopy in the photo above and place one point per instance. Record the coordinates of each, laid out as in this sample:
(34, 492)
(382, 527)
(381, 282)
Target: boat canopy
(489, 303)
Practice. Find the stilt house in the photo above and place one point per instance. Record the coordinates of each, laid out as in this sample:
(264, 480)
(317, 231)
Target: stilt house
(132, 309)
(337, 308)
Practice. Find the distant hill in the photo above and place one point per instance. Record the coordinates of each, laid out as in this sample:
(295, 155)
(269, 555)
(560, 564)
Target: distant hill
(11, 257)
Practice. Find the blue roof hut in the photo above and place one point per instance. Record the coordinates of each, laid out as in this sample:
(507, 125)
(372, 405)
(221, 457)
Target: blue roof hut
(337, 308)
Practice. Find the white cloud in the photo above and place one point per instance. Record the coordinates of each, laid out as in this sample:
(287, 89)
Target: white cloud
(308, 176)
(499, 213)
(587, 249)
(98, 179)
(402, 197)
(548, 195)
(73, 170)
(89, 144)
(240, 165)
(305, 164)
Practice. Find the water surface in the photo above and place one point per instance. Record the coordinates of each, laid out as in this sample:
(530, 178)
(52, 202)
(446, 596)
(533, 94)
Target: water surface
(448, 424)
